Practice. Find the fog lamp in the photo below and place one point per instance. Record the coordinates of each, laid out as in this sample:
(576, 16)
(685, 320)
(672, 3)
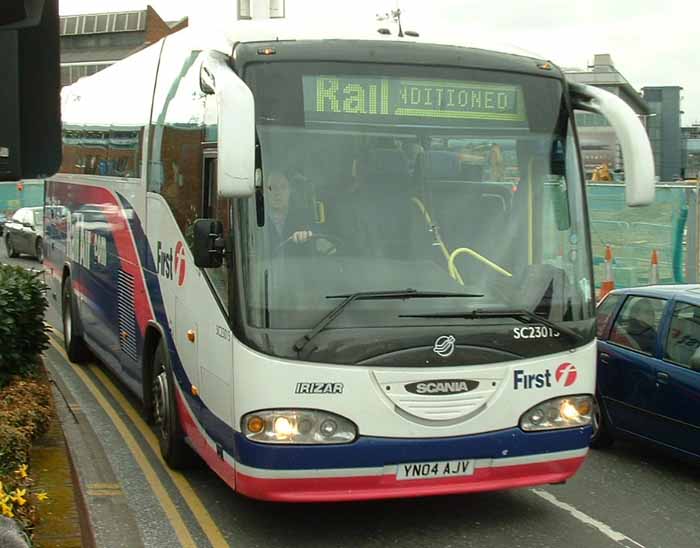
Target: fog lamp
(255, 424)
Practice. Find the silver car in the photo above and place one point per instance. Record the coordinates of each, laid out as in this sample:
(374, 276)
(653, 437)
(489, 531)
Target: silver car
(24, 233)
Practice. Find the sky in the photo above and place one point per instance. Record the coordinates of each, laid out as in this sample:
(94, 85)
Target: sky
(652, 42)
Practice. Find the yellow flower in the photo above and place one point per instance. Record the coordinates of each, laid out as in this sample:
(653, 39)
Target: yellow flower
(22, 471)
(18, 497)
(41, 496)
(2, 489)
(6, 510)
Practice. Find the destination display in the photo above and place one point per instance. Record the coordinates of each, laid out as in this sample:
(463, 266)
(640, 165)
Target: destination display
(361, 99)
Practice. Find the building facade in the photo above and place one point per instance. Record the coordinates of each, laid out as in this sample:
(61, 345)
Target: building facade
(664, 128)
(92, 42)
(599, 144)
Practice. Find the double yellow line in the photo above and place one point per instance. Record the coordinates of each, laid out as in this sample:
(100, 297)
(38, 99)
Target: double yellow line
(199, 511)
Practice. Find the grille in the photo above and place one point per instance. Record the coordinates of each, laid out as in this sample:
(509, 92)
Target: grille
(437, 406)
(127, 318)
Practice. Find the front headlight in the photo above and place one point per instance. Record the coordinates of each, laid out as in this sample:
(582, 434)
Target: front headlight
(297, 426)
(566, 412)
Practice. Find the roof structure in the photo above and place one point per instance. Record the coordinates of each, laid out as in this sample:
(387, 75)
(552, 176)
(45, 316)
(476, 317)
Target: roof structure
(603, 74)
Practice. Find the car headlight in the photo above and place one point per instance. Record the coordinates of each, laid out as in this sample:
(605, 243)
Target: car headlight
(565, 412)
(297, 426)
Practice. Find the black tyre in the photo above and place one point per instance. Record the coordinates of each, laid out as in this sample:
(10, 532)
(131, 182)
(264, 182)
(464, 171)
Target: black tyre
(72, 330)
(173, 447)
(11, 252)
(39, 250)
(601, 438)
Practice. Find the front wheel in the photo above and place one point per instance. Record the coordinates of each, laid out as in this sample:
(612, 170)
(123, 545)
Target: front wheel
(171, 438)
(75, 345)
(11, 251)
(601, 437)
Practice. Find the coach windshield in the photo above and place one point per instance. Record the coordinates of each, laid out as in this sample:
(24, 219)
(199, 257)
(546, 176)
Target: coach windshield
(385, 178)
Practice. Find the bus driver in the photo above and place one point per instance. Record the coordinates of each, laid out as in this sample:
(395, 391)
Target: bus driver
(285, 224)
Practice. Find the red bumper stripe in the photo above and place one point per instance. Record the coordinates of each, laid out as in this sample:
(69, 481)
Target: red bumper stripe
(380, 487)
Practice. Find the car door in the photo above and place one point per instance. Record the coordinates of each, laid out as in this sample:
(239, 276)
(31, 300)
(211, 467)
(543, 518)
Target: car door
(678, 379)
(627, 364)
(20, 230)
(38, 215)
(28, 232)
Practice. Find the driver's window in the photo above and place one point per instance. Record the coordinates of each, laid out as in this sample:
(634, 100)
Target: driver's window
(215, 207)
(637, 324)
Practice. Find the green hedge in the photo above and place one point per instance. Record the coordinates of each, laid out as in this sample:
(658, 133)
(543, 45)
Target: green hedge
(23, 334)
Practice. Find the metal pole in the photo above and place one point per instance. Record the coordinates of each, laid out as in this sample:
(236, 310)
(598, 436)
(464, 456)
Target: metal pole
(693, 234)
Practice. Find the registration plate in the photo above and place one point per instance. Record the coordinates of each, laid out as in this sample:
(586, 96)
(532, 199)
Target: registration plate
(429, 470)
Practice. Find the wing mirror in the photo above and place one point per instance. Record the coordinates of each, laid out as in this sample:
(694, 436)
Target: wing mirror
(236, 114)
(209, 245)
(634, 142)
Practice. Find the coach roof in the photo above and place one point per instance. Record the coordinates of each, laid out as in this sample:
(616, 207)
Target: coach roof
(269, 30)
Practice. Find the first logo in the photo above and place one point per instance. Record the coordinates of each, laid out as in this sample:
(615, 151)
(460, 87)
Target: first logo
(180, 263)
(566, 374)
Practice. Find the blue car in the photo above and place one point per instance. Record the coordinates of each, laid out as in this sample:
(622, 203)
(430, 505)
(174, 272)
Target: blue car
(648, 384)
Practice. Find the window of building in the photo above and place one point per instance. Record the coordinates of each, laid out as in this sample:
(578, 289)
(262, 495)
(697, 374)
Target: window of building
(65, 76)
(71, 26)
(102, 21)
(120, 24)
(89, 22)
(72, 73)
(132, 21)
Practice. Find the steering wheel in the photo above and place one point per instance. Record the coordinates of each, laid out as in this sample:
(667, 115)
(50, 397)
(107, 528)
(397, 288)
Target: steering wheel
(335, 242)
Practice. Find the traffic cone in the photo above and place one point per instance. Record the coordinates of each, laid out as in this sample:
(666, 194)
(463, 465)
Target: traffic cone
(608, 282)
(654, 272)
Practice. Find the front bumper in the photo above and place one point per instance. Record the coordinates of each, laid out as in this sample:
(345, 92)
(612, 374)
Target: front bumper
(367, 469)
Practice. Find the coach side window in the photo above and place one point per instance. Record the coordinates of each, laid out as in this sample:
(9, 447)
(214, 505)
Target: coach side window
(683, 340)
(73, 157)
(175, 166)
(637, 325)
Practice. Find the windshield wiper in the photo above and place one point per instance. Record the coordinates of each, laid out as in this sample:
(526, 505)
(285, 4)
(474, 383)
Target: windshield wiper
(517, 313)
(368, 296)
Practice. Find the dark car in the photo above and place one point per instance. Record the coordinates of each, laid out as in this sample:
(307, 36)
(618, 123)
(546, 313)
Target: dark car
(3, 220)
(24, 233)
(648, 384)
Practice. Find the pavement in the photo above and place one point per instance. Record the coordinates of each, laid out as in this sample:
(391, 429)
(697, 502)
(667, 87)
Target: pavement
(60, 525)
(628, 496)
